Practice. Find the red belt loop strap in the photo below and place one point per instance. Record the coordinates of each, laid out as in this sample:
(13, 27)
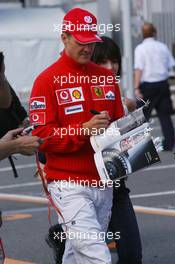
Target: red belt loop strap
(40, 171)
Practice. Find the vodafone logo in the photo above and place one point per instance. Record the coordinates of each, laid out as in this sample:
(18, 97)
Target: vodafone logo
(38, 118)
(35, 118)
(64, 95)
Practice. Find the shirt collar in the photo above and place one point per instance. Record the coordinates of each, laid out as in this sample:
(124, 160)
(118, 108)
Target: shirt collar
(71, 63)
(149, 39)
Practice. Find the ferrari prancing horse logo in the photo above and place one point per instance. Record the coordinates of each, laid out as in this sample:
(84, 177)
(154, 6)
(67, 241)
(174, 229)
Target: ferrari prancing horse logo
(98, 91)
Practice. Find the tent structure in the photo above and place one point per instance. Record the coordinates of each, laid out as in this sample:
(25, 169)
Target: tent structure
(30, 43)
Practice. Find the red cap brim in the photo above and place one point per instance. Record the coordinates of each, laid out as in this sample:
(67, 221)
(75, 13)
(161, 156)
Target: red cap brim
(86, 37)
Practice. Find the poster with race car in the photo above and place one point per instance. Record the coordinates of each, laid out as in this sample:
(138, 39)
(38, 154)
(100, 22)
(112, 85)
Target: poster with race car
(127, 151)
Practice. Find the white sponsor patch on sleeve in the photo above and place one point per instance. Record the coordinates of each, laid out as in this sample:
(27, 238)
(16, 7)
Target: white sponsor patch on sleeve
(73, 109)
(37, 103)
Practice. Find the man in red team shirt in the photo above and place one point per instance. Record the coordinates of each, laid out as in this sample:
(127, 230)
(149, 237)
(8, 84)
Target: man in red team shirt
(59, 104)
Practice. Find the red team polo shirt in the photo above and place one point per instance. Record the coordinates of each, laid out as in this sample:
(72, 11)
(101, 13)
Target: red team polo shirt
(55, 105)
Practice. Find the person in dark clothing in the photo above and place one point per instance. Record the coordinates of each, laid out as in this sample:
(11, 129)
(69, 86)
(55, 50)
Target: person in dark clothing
(13, 116)
(153, 60)
(5, 94)
(123, 219)
(12, 113)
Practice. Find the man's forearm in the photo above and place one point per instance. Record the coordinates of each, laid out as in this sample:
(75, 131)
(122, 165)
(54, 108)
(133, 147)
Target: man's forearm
(8, 148)
(137, 78)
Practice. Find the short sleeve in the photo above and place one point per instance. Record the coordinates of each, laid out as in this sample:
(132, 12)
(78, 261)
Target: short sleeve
(139, 61)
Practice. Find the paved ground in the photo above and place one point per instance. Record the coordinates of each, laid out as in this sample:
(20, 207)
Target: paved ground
(25, 222)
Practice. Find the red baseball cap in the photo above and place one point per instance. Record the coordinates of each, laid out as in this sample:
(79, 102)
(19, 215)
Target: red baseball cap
(82, 25)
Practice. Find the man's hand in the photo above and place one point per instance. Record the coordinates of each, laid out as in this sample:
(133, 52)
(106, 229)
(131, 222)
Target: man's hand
(138, 93)
(27, 145)
(12, 134)
(137, 81)
(13, 143)
(96, 122)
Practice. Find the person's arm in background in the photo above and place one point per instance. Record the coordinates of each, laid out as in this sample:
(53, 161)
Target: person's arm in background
(5, 93)
(25, 145)
(139, 64)
(137, 81)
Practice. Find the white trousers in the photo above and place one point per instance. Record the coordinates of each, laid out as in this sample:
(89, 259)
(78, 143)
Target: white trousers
(86, 212)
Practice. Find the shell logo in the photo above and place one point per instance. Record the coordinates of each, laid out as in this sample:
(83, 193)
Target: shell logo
(76, 94)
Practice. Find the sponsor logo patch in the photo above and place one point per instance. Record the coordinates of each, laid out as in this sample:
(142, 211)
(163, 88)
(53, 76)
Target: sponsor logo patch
(37, 103)
(69, 95)
(98, 92)
(38, 118)
(73, 109)
(105, 92)
(88, 19)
